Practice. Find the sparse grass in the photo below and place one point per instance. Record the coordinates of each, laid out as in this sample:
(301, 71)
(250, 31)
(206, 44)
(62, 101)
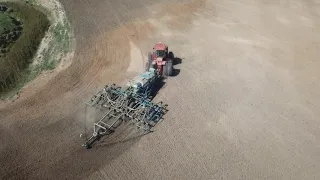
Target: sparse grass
(47, 60)
(60, 44)
(61, 33)
(29, 74)
(30, 1)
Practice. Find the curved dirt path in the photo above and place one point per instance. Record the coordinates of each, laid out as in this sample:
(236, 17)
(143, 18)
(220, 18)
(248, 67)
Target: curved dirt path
(243, 105)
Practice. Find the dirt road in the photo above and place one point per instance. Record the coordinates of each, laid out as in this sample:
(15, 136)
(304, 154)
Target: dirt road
(244, 103)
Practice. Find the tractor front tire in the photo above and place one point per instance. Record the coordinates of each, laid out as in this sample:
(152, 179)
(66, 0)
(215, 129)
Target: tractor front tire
(149, 62)
(147, 66)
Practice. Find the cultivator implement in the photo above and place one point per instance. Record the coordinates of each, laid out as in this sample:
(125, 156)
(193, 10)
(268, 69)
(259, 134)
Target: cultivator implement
(131, 103)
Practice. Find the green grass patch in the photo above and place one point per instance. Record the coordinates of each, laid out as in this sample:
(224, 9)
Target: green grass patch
(29, 74)
(5, 23)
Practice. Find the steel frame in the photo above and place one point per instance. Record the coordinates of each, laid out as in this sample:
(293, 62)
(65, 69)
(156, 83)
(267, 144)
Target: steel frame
(124, 104)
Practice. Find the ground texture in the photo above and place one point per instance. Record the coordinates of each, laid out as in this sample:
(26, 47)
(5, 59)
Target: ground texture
(244, 103)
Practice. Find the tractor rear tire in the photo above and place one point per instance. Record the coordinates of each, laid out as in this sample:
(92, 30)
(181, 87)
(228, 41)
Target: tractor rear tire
(147, 66)
(169, 67)
(171, 55)
(165, 70)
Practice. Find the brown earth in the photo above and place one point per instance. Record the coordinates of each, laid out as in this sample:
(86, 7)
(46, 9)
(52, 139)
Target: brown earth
(244, 103)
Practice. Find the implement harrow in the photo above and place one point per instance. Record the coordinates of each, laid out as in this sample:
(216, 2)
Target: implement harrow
(131, 103)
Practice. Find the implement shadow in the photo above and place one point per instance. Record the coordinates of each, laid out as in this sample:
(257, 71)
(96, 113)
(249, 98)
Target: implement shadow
(156, 88)
(83, 163)
(125, 133)
(80, 163)
(55, 152)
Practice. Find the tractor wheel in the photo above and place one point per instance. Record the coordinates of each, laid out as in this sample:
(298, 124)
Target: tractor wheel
(169, 67)
(171, 55)
(149, 62)
(165, 70)
(147, 66)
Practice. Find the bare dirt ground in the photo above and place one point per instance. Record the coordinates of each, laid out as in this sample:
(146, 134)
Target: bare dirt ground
(244, 103)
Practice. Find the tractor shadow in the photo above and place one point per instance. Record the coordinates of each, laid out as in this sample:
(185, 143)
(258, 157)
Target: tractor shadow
(175, 61)
(175, 72)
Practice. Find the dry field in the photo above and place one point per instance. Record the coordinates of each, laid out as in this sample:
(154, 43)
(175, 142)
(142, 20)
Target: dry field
(243, 105)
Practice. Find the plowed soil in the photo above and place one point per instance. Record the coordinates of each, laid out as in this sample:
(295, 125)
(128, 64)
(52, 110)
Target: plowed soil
(243, 104)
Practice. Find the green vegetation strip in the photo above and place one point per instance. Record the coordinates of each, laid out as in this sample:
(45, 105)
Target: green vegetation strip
(13, 66)
(5, 23)
(60, 44)
(16, 68)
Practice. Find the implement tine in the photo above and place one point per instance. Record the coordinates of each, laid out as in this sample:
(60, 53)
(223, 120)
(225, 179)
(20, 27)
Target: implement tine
(128, 104)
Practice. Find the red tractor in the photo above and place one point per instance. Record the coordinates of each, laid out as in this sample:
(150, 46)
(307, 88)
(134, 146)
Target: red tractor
(160, 60)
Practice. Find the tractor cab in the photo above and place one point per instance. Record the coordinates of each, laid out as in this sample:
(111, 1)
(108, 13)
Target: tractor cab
(160, 51)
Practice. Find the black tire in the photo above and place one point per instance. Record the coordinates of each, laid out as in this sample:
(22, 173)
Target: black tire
(149, 62)
(169, 67)
(171, 55)
(165, 70)
(147, 66)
